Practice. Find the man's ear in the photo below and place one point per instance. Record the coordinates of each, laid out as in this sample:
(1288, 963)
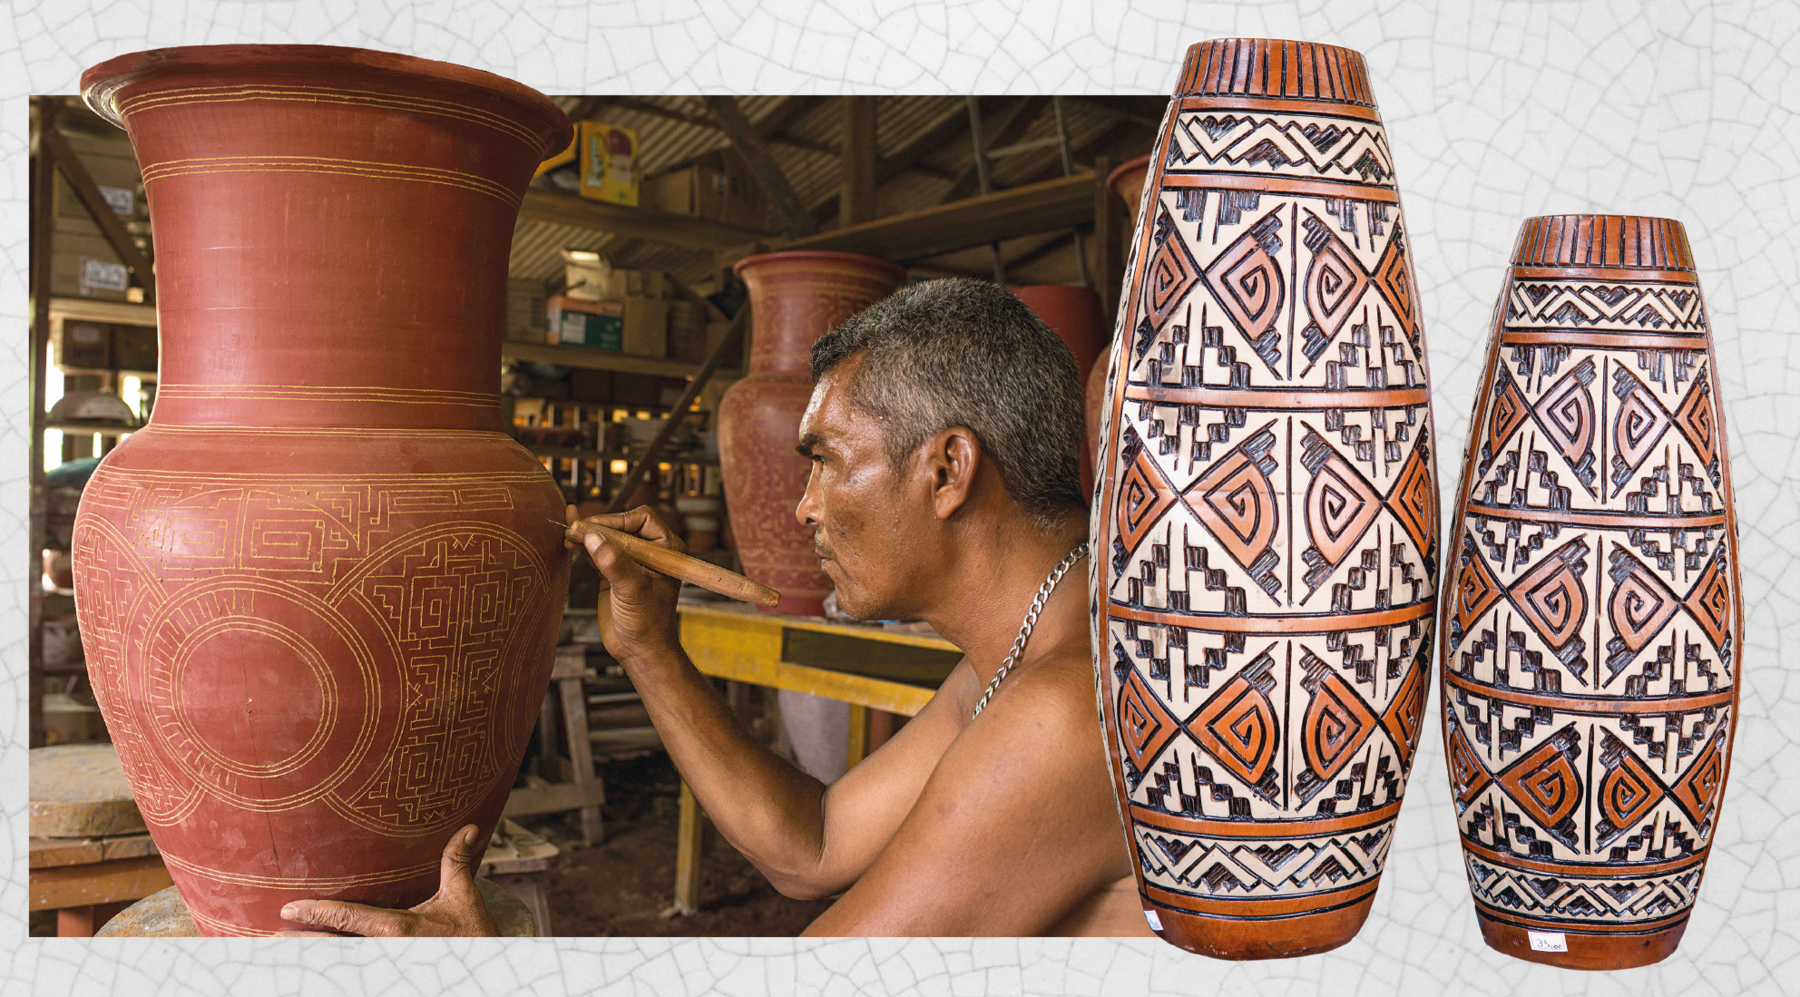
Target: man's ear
(948, 463)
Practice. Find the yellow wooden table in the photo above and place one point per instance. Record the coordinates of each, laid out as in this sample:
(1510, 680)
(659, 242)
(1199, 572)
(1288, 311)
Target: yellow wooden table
(865, 665)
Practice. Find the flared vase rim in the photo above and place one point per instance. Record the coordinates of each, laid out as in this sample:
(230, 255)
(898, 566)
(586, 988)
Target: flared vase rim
(819, 256)
(1124, 169)
(101, 83)
(1589, 216)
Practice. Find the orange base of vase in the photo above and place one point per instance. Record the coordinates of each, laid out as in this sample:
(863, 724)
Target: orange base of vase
(1586, 950)
(1280, 938)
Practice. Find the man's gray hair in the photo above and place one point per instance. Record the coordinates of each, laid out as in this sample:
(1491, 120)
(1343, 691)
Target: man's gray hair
(958, 352)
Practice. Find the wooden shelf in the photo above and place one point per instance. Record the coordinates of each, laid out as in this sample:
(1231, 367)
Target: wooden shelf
(592, 359)
(634, 223)
(567, 453)
(89, 310)
(142, 375)
(86, 428)
(1066, 202)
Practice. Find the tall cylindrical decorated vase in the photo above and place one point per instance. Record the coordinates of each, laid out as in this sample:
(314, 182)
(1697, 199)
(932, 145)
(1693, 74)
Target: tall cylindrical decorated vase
(1265, 538)
(319, 593)
(795, 297)
(1593, 630)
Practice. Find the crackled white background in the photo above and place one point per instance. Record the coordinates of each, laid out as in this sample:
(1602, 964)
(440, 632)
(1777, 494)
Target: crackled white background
(1496, 111)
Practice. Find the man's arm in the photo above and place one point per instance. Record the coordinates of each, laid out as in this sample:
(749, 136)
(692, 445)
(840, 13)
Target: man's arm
(810, 840)
(1015, 828)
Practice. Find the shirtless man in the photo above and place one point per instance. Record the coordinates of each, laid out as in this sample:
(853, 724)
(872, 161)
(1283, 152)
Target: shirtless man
(944, 429)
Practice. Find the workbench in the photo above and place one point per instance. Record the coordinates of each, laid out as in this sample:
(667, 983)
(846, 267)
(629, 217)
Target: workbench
(866, 665)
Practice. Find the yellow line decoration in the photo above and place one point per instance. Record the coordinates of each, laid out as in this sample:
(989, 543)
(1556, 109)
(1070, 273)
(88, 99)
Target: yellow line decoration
(331, 165)
(236, 93)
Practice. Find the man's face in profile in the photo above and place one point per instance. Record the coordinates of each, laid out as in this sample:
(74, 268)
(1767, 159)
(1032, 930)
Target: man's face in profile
(862, 514)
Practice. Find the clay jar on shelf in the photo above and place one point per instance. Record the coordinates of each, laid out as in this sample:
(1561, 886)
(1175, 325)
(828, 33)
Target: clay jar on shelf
(1593, 626)
(795, 297)
(1127, 183)
(1265, 534)
(1074, 314)
(319, 593)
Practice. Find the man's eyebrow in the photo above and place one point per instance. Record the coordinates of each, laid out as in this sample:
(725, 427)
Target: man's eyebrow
(807, 442)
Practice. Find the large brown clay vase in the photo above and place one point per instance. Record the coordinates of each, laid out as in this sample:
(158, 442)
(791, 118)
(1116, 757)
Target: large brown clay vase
(795, 298)
(319, 594)
(1127, 183)
(1593, 629)
(1266, 530)
(1075, 315)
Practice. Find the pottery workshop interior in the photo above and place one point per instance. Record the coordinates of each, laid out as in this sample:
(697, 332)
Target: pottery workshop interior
(597, 835)
(467, 511)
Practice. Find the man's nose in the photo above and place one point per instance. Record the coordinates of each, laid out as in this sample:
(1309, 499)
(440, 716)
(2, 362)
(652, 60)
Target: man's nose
(809, 509)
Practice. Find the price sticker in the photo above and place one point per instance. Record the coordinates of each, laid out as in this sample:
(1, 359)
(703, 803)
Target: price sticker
(1548, 941)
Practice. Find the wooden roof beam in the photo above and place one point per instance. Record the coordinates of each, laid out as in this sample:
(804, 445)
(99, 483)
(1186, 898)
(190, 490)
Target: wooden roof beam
(1011, 126)
(1061, 203)
(797, 221)
(557, 208)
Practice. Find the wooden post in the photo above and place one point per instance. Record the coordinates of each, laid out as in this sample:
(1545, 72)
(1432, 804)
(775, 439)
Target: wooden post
(1109, 240)
(43, 228)
(687, 853)
(858, 747)
(856, 200)
(581, 753)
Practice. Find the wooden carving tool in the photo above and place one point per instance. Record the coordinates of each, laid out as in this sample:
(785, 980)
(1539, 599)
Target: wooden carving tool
(676, 565)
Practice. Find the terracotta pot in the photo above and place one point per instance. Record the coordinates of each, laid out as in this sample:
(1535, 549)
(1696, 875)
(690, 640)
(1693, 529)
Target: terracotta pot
(1593, 634)
(1074, 312)
(1127, 183)
(1267, 515)
(319, 593)
(795, 297)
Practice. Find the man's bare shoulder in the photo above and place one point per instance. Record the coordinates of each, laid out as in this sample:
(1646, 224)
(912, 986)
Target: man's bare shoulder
(1049, 703)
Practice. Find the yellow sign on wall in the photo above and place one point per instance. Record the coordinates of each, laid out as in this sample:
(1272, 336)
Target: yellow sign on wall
(609, 163)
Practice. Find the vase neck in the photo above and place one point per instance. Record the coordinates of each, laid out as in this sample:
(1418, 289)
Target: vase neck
(332, 235)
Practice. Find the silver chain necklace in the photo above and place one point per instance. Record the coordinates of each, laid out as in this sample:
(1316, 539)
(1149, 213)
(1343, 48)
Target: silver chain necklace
(1030, 622)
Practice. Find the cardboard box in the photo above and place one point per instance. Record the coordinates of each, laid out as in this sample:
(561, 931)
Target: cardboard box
(134, 347)
(525, 300)
(85, 344)
(719, 187)
(597, 325)
(646, 327)
(586, 280)
(609, 170)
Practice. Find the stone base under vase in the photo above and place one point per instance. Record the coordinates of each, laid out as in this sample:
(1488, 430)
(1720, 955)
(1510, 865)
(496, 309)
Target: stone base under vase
(1586, 950)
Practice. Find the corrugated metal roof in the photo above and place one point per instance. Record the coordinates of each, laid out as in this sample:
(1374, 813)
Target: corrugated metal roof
(674, 130)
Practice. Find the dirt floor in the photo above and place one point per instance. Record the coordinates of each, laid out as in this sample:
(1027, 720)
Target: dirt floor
(622, 887)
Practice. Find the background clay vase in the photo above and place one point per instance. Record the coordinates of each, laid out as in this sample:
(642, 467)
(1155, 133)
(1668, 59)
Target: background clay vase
(1127, 183)
(320, 592)
(1074, 313)
(1266, 535)
(795, 298)
(1593, 633)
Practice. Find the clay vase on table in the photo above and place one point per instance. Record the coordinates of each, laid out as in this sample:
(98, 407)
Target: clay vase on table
(1593, 627)
(1266, 530)
(1127, 183)
(795, 297)
(319, 593)
(1074, 314)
